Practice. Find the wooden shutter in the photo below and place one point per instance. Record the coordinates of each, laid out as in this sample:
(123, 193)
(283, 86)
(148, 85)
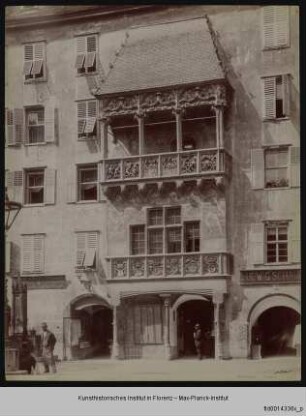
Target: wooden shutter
(8, 246)
(295, 241)
(256, 244)
(38, 59)
(295, 166)
(268, 27)
(9, 127)
(15, 186)
(82, 115)
(286, 81)
(27, 254)
(258, 168)
(269, 97)
(72, 185)
(281, 29)
(50, 186)
(38, 255)
(91, 249)
(80, 249)
(19, 130)
(80, 52)
(91, 117)
(51, 124)
(28, 59)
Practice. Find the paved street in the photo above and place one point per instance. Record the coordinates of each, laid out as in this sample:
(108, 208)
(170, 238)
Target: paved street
(272, 369)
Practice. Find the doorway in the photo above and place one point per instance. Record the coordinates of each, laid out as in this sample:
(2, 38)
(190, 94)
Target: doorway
(188, 314)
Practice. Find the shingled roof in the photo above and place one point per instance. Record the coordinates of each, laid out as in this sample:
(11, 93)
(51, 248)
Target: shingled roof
(164, 55)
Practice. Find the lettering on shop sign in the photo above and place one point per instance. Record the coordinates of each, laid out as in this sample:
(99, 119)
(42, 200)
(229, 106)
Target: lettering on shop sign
(270, 276)
(45, 282)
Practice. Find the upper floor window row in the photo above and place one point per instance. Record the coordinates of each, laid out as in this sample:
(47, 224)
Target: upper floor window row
(31, 125)
(275, 21)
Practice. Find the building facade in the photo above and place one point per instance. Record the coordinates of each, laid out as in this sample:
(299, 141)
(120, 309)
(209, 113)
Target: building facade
(155, 150)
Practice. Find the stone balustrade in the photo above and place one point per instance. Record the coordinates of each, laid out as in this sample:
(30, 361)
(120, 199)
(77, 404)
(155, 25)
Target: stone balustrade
(170, 265)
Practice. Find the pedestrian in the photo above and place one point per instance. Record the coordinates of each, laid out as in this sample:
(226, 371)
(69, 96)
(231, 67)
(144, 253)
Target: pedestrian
(198, 340)
(48, 343)
(26, 359)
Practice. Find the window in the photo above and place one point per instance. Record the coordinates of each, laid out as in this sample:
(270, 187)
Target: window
(87, 118)
(276, 168)
(34, 61)
(86, 249)
(275, 26)
(165, 233)
(34, 186)
(276, 92)
(35, 119)
(33, 253)
(138, 239)
(86, 54)
(88, 183)
(276, 242)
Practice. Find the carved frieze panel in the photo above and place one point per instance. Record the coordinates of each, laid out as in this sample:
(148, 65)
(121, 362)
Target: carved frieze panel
(208, 161)
(119, 267)
(210, 264)
(113, 169)
(173, 266)
(189, 163)
(131, 168)
(192, 265)
(137, 267)
(155, 266)
(150, 167)
(169, 165)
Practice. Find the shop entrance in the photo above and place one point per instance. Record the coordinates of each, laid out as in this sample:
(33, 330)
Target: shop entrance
(188, 314)
(276, 331)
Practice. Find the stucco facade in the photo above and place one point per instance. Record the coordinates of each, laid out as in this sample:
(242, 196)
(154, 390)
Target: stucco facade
(144, 299)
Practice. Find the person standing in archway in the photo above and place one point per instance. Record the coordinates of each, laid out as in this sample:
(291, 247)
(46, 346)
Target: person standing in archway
(48, 343)
(198, 340)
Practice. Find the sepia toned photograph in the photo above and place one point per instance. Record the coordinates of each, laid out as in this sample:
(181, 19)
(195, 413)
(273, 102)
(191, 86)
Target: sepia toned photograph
(152, 193)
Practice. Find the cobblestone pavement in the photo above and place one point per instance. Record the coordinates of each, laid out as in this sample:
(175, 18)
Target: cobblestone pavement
(270, 369)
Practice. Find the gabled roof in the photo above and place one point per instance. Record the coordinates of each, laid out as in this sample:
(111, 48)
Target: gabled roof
(164, 55)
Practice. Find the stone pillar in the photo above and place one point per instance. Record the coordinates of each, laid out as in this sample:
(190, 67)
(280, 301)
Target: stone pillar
(179, 131)
(217, 300)
(104, 126)
(115, 346)
(219, 125)
(140, 118)
(166, 299)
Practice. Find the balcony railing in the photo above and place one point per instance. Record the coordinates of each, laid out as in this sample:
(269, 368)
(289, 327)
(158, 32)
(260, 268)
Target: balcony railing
(166, 165)
(170, 265)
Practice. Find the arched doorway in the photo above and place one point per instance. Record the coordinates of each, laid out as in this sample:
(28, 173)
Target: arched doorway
(275, 331)
(88, 331)
(188, 314)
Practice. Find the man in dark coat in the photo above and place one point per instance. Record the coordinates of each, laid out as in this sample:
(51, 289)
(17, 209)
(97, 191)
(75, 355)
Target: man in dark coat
(48, 343)
(198, 340)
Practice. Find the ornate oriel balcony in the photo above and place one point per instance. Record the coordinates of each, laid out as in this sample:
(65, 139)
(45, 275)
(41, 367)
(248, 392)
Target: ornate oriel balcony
(173, 165)
(207, 265)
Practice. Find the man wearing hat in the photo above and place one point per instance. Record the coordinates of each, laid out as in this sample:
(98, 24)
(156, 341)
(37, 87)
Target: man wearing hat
(48, 343)
(198, 340)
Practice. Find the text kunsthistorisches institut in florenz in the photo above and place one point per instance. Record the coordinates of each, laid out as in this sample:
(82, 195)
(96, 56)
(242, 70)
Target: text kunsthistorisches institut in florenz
(155, 151)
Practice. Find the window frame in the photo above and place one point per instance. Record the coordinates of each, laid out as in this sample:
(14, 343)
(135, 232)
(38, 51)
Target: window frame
(28, 173)
(277, 150)
(270, 97)
(33, 77)
(277, 242)
(87, 167)
(84, 70)
(33, 110)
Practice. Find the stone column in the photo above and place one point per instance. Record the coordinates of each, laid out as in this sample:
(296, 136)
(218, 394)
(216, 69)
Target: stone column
(217, 300)
(219, 125)
(104, 125)
(140, 118)
(179, 133)
(166, 299)
(115, 346)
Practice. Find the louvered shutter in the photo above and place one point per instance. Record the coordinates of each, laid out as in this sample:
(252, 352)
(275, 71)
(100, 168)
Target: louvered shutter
(81, 51)
(51, 124)
(38, 59)
(50, 186)
(281, 29)
(71, 185)
(19, 130)
(295, 241)
(295, 166)
(256, 244)
(286, 81)
(268, 27)
(27, 254)
(80, 249)
(82, 115)
(91, 249)
(15, 186)
(269, 97)
(38, 256)
(258, 168)
(28, 59)
(8, 251)
(9, 127)
(91, 117)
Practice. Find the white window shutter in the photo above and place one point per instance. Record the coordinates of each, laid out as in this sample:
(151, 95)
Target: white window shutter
(39, 54)
(281, 16)
(295, 166)
(72, 186)
(269, 97)
(258, 168)
(295, 241)
(80, 52)
(51, 124)
(15, 186)
(9, 127)
(256, 244)
(80, 249)
(8, 246)
(82, 116)
(92, 43)
(268, 27)
(27, 254)
(286, 81)
(28, 59)
(50, 186)
(38, 256)
(19, 130)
